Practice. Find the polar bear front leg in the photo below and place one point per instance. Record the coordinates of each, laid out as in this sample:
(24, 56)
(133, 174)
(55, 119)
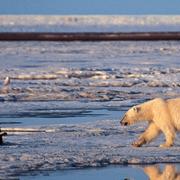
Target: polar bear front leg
(169, 133)
(150, 133)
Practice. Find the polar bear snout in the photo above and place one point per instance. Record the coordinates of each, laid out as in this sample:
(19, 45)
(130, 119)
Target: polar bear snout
(124, 121)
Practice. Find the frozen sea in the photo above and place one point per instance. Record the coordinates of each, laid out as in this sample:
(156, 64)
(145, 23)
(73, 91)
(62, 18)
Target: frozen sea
(75, 93)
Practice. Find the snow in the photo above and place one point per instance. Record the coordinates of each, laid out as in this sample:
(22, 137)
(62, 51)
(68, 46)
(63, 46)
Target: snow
(77, 92)
(74, 146)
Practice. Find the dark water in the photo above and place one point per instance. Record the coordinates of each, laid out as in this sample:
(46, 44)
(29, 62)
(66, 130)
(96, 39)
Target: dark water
(121, 172)
(159, 171)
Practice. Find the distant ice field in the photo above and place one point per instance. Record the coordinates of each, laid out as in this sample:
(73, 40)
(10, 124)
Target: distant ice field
(75, 23)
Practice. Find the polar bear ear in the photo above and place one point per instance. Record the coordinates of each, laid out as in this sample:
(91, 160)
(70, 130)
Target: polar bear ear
(137, 109)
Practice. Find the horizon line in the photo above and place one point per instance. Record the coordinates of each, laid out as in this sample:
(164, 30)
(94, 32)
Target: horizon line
(89, 14)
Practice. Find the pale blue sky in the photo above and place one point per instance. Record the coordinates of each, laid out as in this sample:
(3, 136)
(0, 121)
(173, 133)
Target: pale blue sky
(89, 7)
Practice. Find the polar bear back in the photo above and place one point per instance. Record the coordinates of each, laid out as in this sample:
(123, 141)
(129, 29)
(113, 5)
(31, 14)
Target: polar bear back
(174, 109)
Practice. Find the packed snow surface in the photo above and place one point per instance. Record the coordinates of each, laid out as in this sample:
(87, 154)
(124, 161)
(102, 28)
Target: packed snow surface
(74, 94)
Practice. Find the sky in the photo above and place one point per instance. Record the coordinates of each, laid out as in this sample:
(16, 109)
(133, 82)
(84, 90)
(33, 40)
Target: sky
(96, 7)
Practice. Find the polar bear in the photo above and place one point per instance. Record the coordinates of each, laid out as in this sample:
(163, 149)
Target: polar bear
(162, 115)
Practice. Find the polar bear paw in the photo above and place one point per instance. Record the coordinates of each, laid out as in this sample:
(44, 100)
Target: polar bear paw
(165, 145)
(139, 142)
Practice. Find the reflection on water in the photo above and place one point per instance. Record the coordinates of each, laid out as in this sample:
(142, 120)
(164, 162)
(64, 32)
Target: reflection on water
(169, 172)
(150, 172)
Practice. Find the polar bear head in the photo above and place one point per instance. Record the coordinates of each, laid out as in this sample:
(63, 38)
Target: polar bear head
(133, 115)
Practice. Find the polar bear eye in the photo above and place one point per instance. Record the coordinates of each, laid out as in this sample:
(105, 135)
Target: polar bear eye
(137, 109)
